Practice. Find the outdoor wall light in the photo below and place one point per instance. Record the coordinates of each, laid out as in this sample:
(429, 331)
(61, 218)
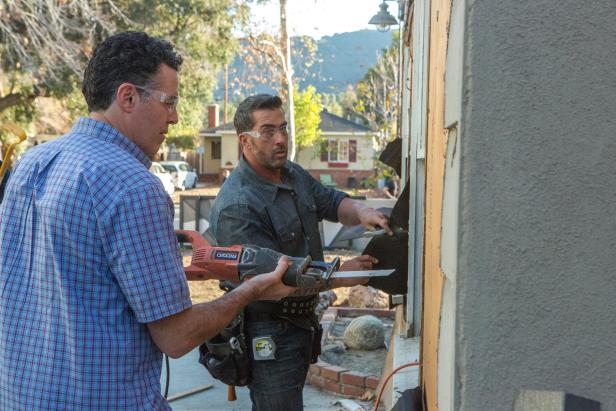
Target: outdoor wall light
(383, 19)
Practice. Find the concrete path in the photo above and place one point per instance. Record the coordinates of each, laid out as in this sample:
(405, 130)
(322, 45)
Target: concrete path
(186, 374)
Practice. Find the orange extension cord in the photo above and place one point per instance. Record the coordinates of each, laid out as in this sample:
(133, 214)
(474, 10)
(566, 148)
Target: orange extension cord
(391, 374)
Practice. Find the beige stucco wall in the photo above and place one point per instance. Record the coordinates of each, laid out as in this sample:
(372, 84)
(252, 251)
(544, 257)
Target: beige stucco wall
(209, 165)
(229, 150)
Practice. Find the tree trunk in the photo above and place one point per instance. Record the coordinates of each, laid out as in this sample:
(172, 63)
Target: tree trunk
(285, 49)
(287, 77)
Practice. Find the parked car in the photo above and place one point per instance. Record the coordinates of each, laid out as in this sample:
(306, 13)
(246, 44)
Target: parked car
(184, 175)
(164, 176)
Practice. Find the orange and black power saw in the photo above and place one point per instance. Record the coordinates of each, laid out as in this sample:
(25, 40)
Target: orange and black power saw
(238, 262)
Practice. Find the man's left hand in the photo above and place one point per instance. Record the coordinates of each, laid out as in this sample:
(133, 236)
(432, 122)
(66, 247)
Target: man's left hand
(371, 219)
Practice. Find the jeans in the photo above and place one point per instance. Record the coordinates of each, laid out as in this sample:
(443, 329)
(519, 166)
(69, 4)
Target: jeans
(277, 384)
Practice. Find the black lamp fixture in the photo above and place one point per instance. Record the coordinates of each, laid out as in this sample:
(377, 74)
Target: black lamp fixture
(383, 19)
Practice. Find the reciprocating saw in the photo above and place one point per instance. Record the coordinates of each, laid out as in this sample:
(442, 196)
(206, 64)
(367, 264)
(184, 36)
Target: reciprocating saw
(236, 263)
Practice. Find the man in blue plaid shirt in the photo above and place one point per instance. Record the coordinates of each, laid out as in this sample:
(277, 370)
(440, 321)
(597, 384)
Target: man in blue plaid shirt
(92, 289)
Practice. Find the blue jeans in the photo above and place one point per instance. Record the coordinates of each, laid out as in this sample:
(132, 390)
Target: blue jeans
(277, 384)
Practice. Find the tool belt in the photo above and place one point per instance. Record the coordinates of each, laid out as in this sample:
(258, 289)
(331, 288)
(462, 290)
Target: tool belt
(287, 307)
(225, 355)
(298, 312)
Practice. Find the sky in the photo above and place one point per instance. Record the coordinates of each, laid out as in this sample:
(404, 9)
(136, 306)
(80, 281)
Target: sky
(318, 18)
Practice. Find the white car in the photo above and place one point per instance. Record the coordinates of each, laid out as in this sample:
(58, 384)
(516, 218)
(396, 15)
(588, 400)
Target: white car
(183, 174)
(164, 176)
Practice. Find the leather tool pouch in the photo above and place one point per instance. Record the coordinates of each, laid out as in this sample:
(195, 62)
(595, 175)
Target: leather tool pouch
(316, 343)
(225, 355)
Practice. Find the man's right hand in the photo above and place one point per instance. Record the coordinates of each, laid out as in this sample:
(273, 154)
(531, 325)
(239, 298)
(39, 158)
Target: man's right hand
(269, 286)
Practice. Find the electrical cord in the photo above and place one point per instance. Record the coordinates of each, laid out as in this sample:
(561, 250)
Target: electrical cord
(391, 374)
(167, 375)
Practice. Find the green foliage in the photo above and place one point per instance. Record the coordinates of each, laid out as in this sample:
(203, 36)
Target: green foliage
(182, 142)
(307, 116)
(331, 104)
(201, 30)
(377, 94)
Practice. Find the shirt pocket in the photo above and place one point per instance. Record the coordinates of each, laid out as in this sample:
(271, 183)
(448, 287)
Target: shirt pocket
(288, 231)
(290, 239)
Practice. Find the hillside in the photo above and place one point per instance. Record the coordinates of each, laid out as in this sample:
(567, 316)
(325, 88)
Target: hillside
(342, 59)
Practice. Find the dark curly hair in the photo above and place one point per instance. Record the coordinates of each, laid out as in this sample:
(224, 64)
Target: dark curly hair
(129, 57)
(243, 115)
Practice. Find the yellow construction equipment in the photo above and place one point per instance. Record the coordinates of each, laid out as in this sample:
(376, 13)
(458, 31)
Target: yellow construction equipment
(21, 136)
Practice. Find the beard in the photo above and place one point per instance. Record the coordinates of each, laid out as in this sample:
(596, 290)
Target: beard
(274, 160)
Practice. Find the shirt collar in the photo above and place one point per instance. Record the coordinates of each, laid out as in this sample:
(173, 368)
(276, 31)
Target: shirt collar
(105, 132)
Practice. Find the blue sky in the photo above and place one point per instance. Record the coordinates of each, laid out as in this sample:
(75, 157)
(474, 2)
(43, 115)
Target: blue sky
(319, 18)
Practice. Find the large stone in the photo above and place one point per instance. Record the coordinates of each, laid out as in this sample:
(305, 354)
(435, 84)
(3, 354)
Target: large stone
(367, 297)
(365, 333)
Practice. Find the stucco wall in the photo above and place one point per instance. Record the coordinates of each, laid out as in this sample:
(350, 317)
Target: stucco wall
(537, 238)
(229, 156)
(209, 165)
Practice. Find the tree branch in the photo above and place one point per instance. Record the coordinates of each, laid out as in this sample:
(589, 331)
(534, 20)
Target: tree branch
(15, 99)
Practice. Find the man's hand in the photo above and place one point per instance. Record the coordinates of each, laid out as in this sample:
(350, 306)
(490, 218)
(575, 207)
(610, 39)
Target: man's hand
(269, 286)
(370, 218)
(353, 212)
(363, 262)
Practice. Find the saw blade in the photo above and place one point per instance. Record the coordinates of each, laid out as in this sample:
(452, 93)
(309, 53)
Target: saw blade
(362, 274)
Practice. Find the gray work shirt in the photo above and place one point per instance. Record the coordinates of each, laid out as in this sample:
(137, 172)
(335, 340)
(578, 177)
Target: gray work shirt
(284, 217)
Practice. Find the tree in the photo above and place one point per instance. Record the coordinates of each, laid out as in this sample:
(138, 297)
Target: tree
(377, 96)
(44, 46)
(273, 54)
(43, 43)
(308, 109)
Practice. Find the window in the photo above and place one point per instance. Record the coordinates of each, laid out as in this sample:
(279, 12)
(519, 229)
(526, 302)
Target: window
(339, 150)
(215, 150)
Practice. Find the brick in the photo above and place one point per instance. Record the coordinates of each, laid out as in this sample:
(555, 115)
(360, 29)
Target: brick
(314, 369)
(353, 378)
(372, 382)
(332, 372)
(353, 391)
(316, 380)
(332, 386)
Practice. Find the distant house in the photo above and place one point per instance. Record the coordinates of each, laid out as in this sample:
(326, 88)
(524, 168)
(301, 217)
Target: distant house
(344, 156)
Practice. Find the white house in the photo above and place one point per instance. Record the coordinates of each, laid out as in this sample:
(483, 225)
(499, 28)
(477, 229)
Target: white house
(345, 154)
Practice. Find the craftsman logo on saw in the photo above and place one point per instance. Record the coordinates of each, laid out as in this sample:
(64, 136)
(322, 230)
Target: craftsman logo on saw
(226, 255)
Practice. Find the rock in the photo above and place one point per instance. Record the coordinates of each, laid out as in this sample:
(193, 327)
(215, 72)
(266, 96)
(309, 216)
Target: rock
(365, 333)
(367, 297)
(326, 299)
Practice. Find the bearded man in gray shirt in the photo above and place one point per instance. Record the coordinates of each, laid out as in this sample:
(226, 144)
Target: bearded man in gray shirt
(271, 202)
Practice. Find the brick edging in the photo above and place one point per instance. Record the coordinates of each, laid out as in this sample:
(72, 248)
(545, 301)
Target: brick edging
(340, 380)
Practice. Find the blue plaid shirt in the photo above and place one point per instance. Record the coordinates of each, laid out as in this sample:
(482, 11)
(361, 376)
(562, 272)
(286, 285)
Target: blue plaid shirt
(88, 256)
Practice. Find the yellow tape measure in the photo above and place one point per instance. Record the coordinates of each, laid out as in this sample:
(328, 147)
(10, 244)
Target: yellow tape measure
(21, 136)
